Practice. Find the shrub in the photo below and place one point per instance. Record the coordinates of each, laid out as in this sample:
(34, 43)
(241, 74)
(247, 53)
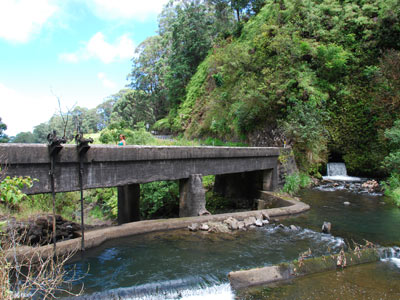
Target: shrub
(138, 136)
(159, 199)
(392, 188)
(294, 182)
(10, 190)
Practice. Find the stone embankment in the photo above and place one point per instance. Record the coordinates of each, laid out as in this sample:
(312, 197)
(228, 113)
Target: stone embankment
(231, 224)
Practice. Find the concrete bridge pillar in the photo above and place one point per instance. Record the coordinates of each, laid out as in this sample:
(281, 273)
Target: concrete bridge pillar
(128, 203)
(192, 197)
(269, 179)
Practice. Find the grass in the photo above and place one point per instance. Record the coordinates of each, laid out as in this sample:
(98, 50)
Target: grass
(296, 181)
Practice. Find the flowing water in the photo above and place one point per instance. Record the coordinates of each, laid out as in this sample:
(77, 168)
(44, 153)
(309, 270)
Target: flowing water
(185, 265)
(338, 171)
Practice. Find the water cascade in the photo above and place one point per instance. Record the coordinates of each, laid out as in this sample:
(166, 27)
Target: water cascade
(338, 171)
(392, 255)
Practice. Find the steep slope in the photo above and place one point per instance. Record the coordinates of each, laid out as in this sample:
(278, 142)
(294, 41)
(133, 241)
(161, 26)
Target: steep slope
(310, 73)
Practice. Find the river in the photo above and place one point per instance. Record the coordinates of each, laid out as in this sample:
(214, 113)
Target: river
(185, 265)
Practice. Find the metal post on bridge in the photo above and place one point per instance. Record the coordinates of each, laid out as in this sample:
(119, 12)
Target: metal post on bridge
(54, 147)
(82, 146)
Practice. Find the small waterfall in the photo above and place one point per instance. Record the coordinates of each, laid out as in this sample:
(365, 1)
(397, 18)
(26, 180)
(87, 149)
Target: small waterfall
(391, 255)
(338, 171)
(151, 292)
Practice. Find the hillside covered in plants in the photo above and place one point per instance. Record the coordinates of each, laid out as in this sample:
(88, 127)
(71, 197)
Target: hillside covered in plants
(322, 76)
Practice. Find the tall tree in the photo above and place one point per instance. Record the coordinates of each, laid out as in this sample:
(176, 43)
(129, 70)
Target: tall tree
(41, 131)
(24, 137)
(187, 29)
(133, 107)
(149, 67)
(3, 137)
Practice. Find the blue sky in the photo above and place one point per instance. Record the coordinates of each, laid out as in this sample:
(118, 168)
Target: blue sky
(79, 51)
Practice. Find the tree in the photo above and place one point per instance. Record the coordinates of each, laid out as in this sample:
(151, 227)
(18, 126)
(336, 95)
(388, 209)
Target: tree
(187, 29)
(24, 137)
(148, 73)
(104, 111)
(3, 137)
(133, 107)
(41, 131)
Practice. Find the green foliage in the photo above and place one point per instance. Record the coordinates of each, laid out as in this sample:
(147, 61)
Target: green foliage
(304, 124)
(392, 188)
(392, 161)
(10, 190)
(159, 199)
(133, 107)
(149, 67)
(217, 142)
(294, 182)
(162, 126)
(67, 204)
(190, 27)
(3, 137)
(24, 137)
(106, 201)
(138, 136)
(323, 72)
(217, 204)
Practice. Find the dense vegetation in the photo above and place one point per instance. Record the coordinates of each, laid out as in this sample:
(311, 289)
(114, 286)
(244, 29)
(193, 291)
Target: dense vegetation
(323, 74)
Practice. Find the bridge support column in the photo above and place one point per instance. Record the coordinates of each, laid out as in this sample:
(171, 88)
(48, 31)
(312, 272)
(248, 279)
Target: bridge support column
(128, 203)
(269, 179)
(192, 196)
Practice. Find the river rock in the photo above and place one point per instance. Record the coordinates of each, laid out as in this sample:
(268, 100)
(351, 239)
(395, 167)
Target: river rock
(371, 186)
(194, 227)
(204, 227)
(249, 221)
(326, 227)
(293, 227)
(259, 223)
(346, 203)
(241, 225)
(232, 223)
(265, 222)
(265, 216)
(218, 227)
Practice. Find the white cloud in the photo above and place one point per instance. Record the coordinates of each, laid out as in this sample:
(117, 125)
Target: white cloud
(105, 81)
(20, 19)
(126, 9)
(22, 112)
(98, 47)
(69, 57)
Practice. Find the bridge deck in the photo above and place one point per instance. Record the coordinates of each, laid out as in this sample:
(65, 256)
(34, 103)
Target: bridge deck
(109, 166)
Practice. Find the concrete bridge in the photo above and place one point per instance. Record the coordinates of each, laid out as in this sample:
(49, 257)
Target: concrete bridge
(238, 170)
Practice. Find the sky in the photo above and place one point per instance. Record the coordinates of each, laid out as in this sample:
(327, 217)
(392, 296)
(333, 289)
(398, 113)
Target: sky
(78, 51)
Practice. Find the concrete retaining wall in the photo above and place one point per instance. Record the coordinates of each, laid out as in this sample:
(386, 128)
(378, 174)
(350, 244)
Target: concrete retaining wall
(97, 237)
(281, 272)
